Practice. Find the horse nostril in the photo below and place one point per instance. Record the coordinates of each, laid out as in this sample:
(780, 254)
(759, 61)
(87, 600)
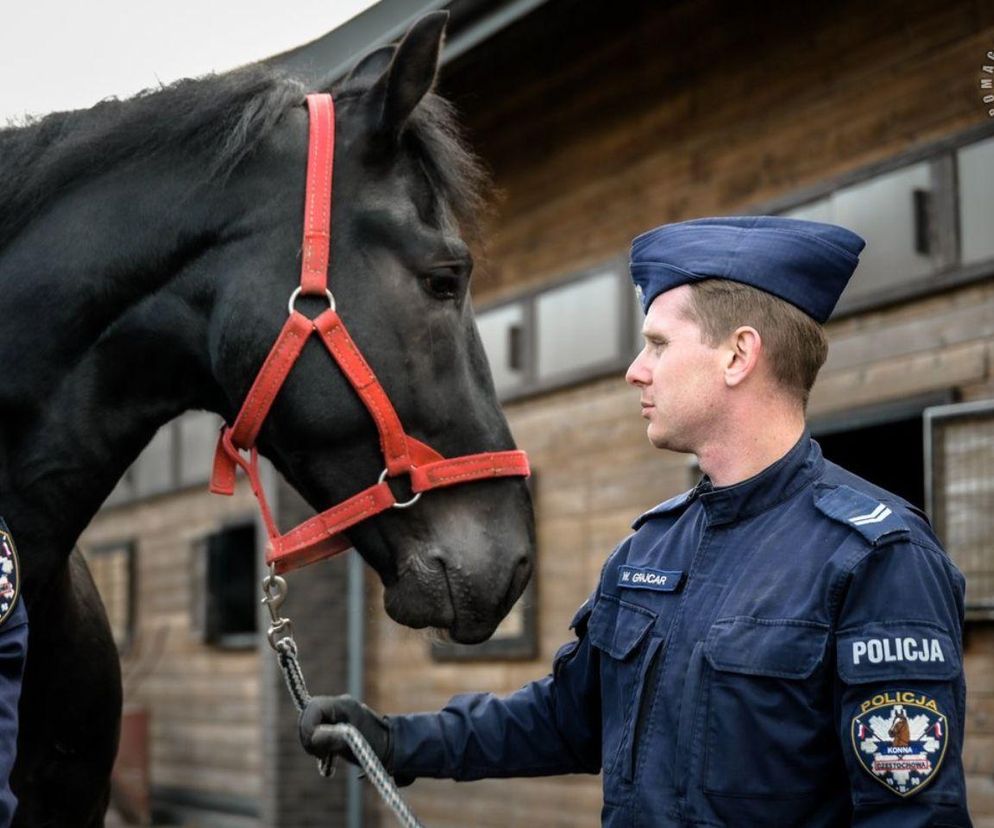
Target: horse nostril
(519, 579)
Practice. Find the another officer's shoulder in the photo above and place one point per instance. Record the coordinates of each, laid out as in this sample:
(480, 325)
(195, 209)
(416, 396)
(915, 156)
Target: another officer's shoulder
(12, 612)
(874, 514)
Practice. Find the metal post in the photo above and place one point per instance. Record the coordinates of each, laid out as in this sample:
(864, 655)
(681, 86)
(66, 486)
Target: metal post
(356, 614)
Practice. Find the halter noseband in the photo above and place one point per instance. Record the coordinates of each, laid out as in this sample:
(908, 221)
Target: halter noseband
(321, 536)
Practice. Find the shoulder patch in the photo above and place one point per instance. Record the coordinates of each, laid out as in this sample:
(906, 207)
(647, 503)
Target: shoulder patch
(899, 738)
(10, 574)
(674, 504)
(861, 512)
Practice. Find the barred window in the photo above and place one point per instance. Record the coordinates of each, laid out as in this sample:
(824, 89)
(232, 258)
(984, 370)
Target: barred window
(960, 494)
(113, 569)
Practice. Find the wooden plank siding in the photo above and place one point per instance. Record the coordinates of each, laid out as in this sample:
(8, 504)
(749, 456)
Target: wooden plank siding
(204, 702)
(629, 115)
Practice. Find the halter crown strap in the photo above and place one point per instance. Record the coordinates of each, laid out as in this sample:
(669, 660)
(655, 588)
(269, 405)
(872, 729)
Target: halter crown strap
(317, 207)
(322, 536)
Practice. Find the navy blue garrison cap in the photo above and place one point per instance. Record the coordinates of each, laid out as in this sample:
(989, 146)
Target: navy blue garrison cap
(807, 263)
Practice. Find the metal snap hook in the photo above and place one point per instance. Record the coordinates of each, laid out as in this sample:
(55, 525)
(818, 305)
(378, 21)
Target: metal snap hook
(296, 293)
(274, 588)
(408, 503)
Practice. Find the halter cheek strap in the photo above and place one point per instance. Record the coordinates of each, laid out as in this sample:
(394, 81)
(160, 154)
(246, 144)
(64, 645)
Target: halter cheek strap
(322, 535)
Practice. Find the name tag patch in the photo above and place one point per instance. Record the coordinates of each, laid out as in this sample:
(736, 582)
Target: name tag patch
(661, 580)
(899, 738)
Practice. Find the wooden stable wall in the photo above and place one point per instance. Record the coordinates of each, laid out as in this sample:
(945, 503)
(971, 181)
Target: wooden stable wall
(204, 703)
(600, 120)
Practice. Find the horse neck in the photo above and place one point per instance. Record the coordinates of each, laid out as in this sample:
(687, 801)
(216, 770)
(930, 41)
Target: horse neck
(102, 345)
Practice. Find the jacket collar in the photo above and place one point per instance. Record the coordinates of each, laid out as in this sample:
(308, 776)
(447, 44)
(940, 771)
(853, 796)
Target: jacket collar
(774, 484)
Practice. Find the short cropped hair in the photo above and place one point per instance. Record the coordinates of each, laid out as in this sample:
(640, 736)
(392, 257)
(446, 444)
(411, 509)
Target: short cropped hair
(795, 343)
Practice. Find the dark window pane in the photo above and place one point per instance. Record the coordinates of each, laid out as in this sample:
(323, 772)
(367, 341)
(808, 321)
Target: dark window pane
(231, 594)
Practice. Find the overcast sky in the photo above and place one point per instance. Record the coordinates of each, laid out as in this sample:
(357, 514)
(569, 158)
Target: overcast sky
(58, 54)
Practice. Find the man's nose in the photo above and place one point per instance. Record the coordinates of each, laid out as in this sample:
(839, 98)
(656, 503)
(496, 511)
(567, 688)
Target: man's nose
(637, 374)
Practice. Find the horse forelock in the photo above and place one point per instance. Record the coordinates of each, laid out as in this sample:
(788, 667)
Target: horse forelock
(455, 173)
(221, 118)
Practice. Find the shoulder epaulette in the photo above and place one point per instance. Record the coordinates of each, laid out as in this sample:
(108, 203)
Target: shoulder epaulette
(672, 505)
(861, 512)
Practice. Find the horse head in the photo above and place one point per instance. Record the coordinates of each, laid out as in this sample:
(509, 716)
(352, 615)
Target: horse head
(404, 189)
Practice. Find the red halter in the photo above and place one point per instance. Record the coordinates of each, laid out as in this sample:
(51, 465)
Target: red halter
(322, 536)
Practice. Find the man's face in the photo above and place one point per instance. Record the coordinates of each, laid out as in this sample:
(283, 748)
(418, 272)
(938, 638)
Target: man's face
(680, 377)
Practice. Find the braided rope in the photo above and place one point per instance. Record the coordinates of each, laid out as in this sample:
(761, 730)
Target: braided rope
(286, 655)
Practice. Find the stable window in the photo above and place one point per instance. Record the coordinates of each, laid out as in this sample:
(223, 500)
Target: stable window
(960, 494)
(197, 435)
(226, 587)
(975, 173)
(884, 448)
(501, 332)
(113, 569)
(578, 326)
(898, 214)
(926, 217)
(565, 333)
(155, 469)
(179, 455)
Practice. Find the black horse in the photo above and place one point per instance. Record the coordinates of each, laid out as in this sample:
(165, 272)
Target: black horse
(147, 251)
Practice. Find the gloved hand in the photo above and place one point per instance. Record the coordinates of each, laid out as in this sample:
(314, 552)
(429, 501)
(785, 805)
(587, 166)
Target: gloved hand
(320, 740)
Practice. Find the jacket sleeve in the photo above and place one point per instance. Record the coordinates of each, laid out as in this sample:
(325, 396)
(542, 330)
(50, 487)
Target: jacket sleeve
(550, 726)
(13, 650)
(900, 691)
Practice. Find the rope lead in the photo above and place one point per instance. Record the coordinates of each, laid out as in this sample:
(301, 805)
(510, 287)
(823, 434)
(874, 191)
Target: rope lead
(286, 657)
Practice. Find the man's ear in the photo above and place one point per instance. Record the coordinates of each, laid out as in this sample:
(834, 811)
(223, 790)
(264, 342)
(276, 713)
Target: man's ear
(744, 347)
(409, 77)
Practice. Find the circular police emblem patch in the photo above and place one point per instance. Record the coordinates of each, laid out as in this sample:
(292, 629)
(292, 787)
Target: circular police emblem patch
(10, 580)
(900, 739)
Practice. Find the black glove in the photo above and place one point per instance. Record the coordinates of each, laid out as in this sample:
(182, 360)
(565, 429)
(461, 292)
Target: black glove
(320, 740)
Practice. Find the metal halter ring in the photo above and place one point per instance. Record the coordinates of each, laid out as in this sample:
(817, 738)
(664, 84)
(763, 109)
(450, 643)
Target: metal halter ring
(296, 293)
(410, 502)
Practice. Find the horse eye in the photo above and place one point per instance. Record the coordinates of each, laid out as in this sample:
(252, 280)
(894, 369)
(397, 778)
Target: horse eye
(443, 284)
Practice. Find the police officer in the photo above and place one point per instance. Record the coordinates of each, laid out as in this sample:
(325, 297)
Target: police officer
(754, 646)
(13, 650)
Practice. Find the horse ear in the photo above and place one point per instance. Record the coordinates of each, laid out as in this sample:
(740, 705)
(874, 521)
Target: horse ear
(411, 74)
(373, 65)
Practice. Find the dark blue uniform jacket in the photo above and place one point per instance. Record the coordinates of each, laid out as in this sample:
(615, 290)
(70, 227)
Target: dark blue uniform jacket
(13, 650)
(784, 651)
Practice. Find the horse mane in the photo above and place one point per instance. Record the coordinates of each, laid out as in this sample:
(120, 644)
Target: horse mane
(220, 117)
